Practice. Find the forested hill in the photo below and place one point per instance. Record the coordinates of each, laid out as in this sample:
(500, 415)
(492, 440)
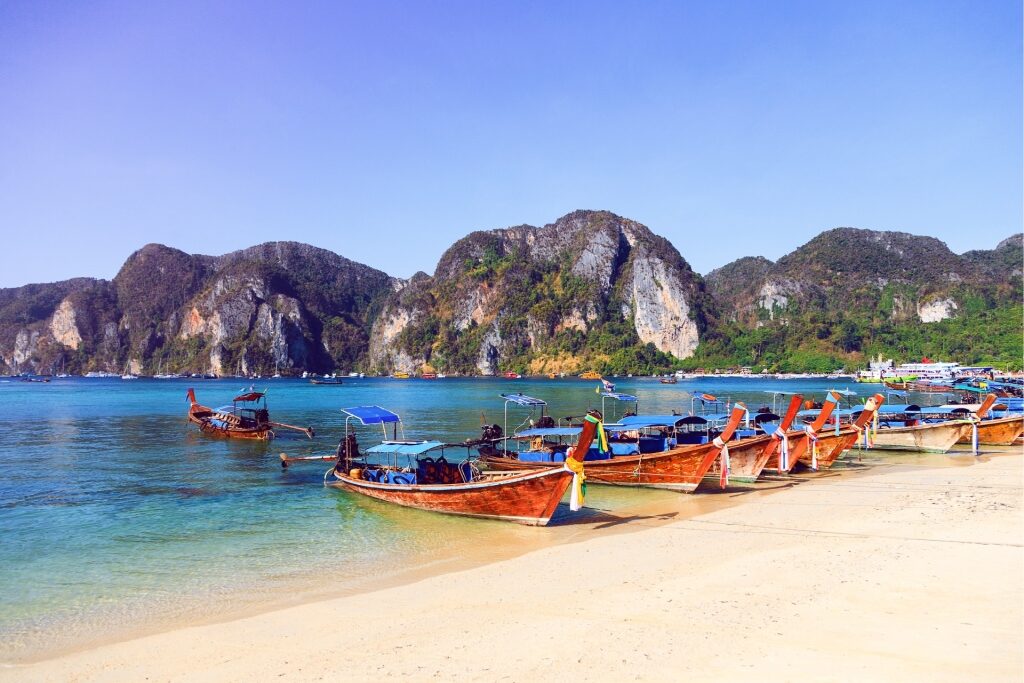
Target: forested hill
(851, 293)
(591, 290)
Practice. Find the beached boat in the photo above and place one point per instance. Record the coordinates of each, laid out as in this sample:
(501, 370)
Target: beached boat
(511, 375)
(679, 467)
(833, 443)
(927, 438)
(246, 418)
(784, 455)
(1002, 430)
(748, 456)
(999, 431)
(400, 375)
(590, 374)
(451, 488)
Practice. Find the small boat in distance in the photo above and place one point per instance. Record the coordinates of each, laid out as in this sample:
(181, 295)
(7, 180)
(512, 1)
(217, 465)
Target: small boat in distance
(246, 418)
(400, 375)
(511, 375)
(428, 375)
(590, 374)
(326, 380)
(669, 380)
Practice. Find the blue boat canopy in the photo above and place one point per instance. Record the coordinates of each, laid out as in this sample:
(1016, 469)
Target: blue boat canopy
(642, 422)
(841, 412)
(944, 410)
(893, 408)
(404, 447)
(619, 397)
(549, 431)
(638, 421)
(523, 400)
(371, 415)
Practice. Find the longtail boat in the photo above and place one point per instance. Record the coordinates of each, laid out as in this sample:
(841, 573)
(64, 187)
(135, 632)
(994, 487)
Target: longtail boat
(679, 468)
(996, 431)
(999, 431)
(785, 455)
(246, 418)
(748, 457)
(453, 488)
(912, 434)
(928, 438)
(832, 445)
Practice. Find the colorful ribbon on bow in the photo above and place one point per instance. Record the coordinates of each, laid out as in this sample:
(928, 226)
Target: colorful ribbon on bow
(602, 436)
(578, 488)
(783, 449)
(723, 477)
(814, 447)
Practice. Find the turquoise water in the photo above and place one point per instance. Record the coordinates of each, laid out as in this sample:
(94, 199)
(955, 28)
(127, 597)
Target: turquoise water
(115, 513)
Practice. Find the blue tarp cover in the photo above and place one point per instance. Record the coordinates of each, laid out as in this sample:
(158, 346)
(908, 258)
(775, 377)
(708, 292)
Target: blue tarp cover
(620, 397)
(371, 415)
(549, 431)
(642, 421)
(523, 400)
(943, 410)
(890, 408)
(404, 447)
(638, 421)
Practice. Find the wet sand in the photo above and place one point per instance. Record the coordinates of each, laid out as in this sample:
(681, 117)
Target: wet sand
(902, 568)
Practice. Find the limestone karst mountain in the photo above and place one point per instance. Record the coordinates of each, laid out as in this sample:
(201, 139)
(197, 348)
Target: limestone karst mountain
(591, 290)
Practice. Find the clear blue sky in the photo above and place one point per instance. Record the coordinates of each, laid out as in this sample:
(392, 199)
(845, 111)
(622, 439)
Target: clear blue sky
(385, 131)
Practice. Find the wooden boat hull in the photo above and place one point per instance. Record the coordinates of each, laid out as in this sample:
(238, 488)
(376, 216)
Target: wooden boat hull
(747, 458)
(830, 447)
(207, 427)
(1001, 431)
(203, 417)
(679, 469)
(529, 498)
(927, 438)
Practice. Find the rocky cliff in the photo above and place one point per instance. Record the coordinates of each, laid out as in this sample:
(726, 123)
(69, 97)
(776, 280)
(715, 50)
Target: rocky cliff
(280, 306)
(591, 290)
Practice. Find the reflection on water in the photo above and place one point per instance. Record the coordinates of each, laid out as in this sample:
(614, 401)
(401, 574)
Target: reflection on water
(117, 516)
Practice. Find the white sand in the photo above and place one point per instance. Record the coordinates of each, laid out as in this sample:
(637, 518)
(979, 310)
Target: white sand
(906, 573)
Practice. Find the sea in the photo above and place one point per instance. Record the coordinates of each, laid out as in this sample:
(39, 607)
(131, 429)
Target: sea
(118, 517)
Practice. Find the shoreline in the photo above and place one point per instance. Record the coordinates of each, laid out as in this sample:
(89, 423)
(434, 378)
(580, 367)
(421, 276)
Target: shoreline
(941, 548)
(507, 541)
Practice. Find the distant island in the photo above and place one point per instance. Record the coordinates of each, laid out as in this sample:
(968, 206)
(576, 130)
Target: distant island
(591, 291)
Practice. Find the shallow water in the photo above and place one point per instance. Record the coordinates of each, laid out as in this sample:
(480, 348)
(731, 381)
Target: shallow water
(117, 516)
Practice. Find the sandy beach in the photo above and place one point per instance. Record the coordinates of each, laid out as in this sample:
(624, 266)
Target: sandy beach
(907, 571)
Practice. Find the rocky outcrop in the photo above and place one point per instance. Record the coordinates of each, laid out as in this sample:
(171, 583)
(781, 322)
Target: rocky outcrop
(63, 327)
(934, 311)
(590, 291)
(500, 297)
(660, 304)
(279, 306)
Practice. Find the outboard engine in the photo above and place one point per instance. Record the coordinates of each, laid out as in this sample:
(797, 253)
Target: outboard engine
(491, 433)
